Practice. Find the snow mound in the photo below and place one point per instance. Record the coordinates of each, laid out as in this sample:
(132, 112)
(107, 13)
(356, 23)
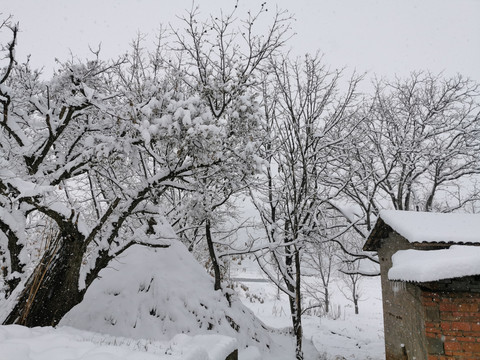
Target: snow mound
(156, 294)
(434, 227)
(433, 265)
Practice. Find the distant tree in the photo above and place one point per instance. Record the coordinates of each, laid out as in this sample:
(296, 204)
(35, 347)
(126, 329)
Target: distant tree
(351, 274)
(350, 284)
(320, 267)
(418, 149)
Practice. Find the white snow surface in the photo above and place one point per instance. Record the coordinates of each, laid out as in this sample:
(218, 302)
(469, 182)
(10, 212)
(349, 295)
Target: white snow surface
(434, 227)
(433, 265)
(342, 335)
(21, 343)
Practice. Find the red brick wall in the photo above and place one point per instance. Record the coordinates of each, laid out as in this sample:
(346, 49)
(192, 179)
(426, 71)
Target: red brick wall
(453, 322)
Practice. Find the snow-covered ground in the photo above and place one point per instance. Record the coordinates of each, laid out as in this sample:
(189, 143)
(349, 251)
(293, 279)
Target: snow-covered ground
(342, 334)
(21, 343)
(121, 304)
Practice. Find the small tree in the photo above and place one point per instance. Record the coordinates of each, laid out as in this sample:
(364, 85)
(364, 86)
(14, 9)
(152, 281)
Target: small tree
(320, 264)
(351, 280)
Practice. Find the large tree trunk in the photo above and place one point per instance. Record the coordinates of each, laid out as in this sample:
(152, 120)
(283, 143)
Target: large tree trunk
(52, 289)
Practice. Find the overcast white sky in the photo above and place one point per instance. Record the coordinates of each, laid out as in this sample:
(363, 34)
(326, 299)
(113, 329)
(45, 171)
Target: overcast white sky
(385, 37)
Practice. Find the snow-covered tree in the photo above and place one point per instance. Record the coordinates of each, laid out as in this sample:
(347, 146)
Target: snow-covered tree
(92, 153)
(223, 65)
(306, 118)
(418, 149)
(51, 134)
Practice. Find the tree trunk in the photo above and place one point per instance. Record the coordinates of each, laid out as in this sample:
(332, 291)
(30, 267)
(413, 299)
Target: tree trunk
(298, 305)
(293, 258)
(52, 289)
(327, 299)
(213, 256)
(14, 247)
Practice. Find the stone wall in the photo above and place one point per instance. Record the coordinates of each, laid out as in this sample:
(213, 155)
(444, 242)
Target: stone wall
(452, 318)
(403, 312)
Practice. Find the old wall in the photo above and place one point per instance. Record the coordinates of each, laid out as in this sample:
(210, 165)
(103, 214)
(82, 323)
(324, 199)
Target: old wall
(452, 321)
(403, 311)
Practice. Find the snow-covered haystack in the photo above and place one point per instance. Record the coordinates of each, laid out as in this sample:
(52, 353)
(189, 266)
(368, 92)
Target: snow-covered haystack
(157, 293)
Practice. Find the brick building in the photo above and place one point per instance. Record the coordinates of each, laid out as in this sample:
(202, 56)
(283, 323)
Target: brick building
(430, 275)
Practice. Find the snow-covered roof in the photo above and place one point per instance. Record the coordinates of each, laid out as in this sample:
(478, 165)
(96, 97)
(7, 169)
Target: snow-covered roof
(434, 227)
(433, 265)
(427, 227)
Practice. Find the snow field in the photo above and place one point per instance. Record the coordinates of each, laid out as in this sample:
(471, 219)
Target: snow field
(21, 343)
(342, 334)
